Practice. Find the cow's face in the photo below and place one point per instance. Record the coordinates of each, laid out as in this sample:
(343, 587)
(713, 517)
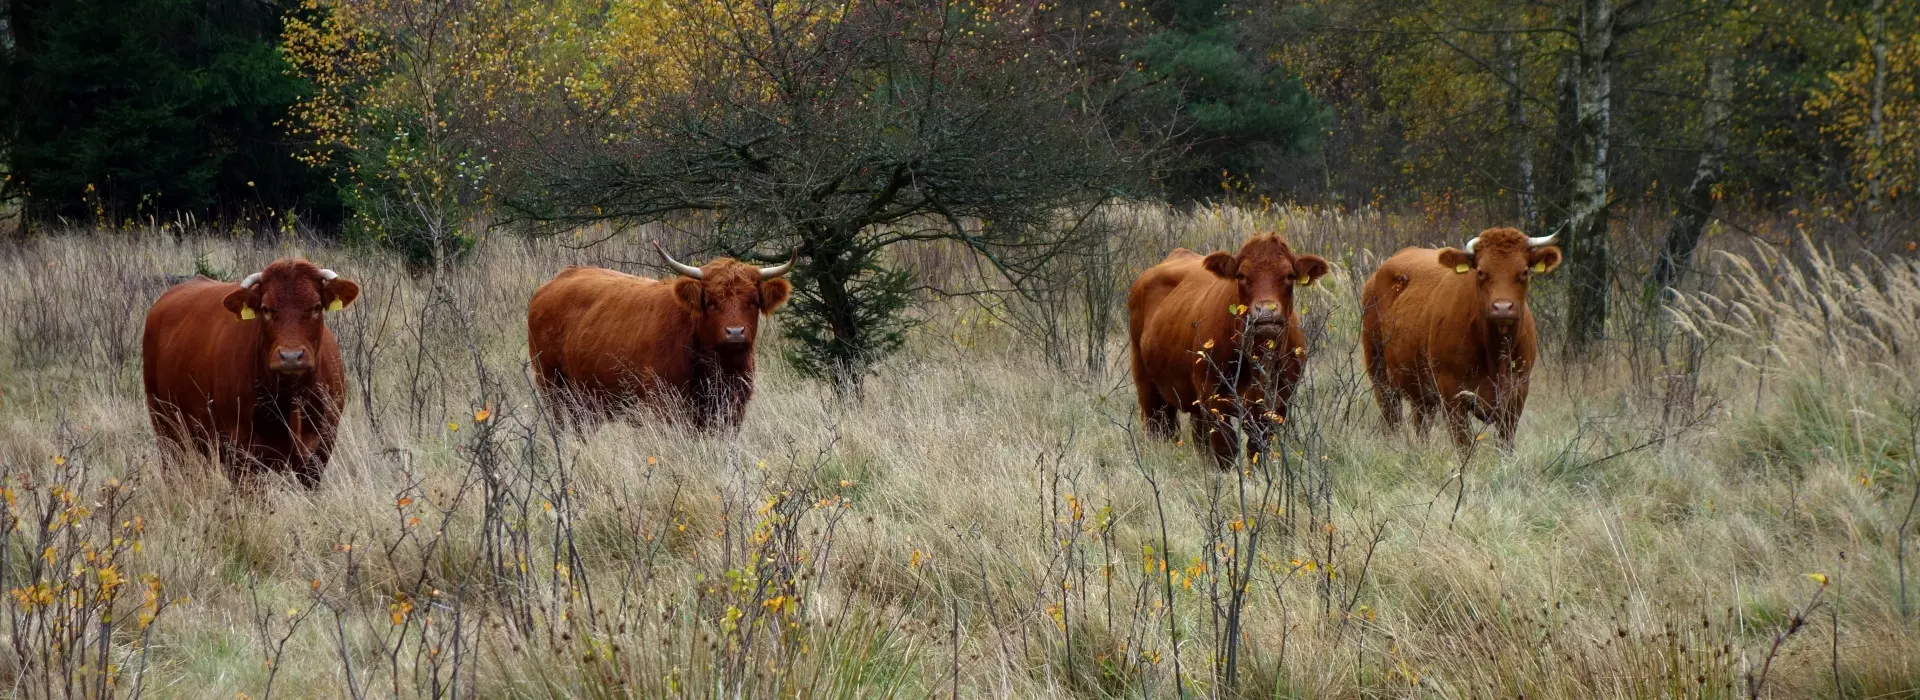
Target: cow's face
(288, 302)
(728, 298)
(1502, 261)
(1266, 271)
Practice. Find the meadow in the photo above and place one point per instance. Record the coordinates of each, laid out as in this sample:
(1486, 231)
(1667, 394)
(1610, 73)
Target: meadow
(1719, 503)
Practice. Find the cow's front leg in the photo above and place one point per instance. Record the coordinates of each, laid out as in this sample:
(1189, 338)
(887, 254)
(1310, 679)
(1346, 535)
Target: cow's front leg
(1216, 418)
(1457, 406)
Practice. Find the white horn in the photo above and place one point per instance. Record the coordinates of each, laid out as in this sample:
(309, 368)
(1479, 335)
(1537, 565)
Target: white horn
(1472, 243)
(328, 275)
(767, 273)
(1543, 240)
(677, 266)
(251, 280)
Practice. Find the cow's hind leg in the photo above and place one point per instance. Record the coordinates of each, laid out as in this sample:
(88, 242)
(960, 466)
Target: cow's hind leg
(1459, 417)
(1423, 411)
(1162, 418)
(1390, 405)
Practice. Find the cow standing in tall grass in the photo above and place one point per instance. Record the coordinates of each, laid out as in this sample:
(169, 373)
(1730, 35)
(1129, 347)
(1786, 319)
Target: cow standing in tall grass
(604, 341)
(1449, 330)
(249, 371)
(1212, 335)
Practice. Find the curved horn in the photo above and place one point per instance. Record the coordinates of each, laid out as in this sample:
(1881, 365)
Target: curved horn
(678, 266)
(767, 273)
(1472, 243)
(1543, 240)
(327, 275)
(251, 280)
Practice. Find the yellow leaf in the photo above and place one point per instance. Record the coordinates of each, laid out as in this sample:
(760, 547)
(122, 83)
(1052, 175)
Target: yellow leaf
(482, 415)
(59, 461)
(453, 427)
(1208, 345)
(1818, 578)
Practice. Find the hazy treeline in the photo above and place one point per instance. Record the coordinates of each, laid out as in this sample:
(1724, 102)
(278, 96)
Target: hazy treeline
(842, 129)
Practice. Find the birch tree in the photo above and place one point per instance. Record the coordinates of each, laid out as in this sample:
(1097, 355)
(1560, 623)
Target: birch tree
(1696, 206)
(1588, 263)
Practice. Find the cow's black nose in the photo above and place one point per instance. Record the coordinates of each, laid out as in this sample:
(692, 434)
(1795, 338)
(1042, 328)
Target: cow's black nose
(292, 355)
(737, 334)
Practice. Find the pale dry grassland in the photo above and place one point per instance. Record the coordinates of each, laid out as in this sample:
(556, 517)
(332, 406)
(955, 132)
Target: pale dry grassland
(981, 524)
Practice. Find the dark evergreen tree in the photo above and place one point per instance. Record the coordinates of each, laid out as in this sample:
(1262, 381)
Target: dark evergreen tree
(1232, 110)
(128, 108)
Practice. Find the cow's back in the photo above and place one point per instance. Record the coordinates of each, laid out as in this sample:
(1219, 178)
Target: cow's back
(197, 361)
(1174, 308)
(599, 329)
(1150, 292)
(1415, 318)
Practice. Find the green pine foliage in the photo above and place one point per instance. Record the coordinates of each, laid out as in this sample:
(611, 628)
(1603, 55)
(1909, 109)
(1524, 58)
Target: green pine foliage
(134, 108)
(1237, 111)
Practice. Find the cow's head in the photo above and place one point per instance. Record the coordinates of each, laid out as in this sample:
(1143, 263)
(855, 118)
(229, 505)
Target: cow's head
(728, 298)
(1502, 260)
(1266, 271)
(288, 301)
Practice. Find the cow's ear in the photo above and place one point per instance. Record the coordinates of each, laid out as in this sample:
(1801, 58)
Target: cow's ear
(243, 303)
(1456, 259)
(339, 293)
(690, 294)
(1543, 260)
(1308, 268)
(773, 293)
(1222, 265)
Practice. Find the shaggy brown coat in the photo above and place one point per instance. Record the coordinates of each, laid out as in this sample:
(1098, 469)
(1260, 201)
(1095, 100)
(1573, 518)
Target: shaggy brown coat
(1450, 331)
(1194, 321)
(604, 341)
(251, 374)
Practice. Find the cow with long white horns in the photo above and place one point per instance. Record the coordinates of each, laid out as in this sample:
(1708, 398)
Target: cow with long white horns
(604, 341)
(249, 372)
(1449, 330)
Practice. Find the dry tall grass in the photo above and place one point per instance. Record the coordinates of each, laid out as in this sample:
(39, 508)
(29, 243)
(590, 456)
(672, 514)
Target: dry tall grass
(982, 523)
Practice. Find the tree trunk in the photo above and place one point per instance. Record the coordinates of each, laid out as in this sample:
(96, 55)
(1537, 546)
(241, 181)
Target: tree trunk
(1521, 140)
(1696, 207)
(1587, 259)
(1876, 127)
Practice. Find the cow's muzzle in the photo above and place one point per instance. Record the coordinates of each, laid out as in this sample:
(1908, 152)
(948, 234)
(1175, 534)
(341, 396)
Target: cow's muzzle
(736, 335)
(1266, 316)
(1503, 311)
(290, 361)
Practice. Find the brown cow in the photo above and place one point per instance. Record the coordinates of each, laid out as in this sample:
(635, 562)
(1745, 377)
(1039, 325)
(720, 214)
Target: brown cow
(603, 340)
(1450, 330)
(1192, 320)
(249, 371)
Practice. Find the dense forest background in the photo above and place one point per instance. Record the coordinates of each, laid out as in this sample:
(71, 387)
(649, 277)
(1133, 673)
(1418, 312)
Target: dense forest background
(840, 129)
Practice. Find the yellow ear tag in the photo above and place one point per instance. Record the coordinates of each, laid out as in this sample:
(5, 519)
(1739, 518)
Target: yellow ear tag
(1461, 268)
(335, 305)
(1539, 267)
(246, 313)
(1305, 280)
